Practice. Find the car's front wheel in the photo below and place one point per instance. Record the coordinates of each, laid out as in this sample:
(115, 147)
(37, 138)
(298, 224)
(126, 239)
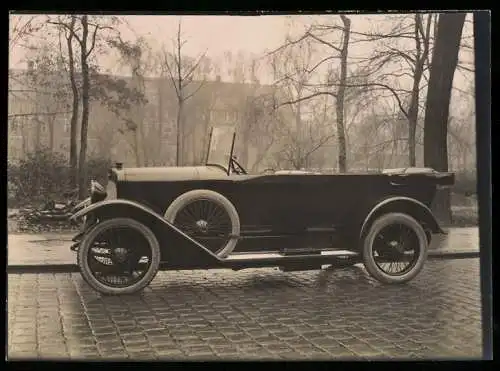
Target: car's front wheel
(395, 248)
(119, 256)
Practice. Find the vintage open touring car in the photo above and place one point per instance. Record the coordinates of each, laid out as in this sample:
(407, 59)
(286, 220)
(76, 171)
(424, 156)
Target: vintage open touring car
(218, 216)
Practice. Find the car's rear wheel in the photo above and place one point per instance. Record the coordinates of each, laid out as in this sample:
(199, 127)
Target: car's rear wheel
(119, 256)
(207, 217)
(395, 248)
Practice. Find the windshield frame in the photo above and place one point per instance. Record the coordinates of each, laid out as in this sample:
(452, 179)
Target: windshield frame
(226, 167)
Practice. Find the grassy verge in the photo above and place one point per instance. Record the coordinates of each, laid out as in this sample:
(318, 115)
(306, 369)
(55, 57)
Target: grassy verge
(464, 216)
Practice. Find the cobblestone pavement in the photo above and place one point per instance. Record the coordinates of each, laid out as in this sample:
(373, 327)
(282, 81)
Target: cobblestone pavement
(53, 249)
(253, 314)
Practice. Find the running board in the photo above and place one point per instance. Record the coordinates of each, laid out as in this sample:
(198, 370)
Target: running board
(271, 259)
(266, 256)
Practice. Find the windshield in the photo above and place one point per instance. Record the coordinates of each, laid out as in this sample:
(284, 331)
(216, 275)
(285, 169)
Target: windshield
(220, 146)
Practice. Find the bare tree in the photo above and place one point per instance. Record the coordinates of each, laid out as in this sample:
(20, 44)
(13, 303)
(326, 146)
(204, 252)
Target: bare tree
(136, 57)
(444, 63)
(87, 33)
(393, 61)
(21, 28)
(85, 51)
(181, 70)
(336, 84)
(261, 127)
(69, 33)
(344, 48)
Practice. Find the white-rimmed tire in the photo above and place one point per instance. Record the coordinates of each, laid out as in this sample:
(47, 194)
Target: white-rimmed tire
(395, 240)
(115, 248)
(208, 217)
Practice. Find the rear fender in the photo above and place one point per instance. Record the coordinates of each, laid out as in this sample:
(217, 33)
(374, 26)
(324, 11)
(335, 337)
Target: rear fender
(176, 246)
(406, 205)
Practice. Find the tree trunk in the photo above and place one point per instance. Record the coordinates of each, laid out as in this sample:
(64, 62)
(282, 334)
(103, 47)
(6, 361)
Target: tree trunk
(138, 117)
(413, 115)
(73, 155)
(24, 137)
(38, 134)
(420, 59)
(340, 96)
(51, 134)
(82, 189)
(137, 148)
(159, 141)
(444, 62)
(180, 136)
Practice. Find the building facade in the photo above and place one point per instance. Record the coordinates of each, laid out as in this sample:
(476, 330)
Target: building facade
(39, 117)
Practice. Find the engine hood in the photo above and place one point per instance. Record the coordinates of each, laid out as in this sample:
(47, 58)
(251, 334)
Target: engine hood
(156, 174)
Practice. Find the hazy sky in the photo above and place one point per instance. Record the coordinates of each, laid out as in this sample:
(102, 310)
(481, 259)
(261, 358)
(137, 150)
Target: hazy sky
(217, 34)
(252, 35)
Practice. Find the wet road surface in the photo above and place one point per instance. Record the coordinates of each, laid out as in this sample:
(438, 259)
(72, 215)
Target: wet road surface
(251, 314)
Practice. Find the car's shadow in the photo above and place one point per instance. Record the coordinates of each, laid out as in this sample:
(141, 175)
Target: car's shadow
(237, 288)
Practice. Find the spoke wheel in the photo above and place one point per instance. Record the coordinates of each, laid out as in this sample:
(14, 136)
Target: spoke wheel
(119, 256)
(207, 222)
(395, 248)
(207, 217)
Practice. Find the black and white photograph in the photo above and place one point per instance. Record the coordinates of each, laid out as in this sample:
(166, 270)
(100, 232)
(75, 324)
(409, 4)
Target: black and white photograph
(216, 187)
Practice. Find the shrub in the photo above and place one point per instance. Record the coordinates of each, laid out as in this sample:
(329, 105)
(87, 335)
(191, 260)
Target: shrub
(40, 176)
(44, 175)
(465, 183)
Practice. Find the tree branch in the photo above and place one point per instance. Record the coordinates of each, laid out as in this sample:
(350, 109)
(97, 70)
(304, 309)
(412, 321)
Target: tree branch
(390, 89)
(194, 66)
(305, 98)
(195, 91)
(284, 46)
(321, 62)
(462, 67)
(92, 45)
(172, 77)
(319, 145)
(39, 114)
(70, 29)
(324, 42)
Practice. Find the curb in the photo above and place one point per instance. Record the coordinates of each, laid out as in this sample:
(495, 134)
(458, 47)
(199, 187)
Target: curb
(43, 268)
(453, 254)
(73, 268)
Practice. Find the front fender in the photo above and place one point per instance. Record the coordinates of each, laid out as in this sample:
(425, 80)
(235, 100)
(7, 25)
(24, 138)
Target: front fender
(166, 233)
(85, 203)
(410, 206)
(102, 205)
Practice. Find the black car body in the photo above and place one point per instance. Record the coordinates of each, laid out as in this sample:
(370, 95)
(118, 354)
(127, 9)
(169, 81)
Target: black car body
(217, 216)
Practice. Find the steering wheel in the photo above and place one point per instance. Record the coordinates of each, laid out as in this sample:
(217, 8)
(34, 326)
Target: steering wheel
(237, 168)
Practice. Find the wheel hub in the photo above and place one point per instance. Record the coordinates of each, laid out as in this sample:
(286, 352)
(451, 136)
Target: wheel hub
(120, 254)
(202, 225)
(396, 246)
